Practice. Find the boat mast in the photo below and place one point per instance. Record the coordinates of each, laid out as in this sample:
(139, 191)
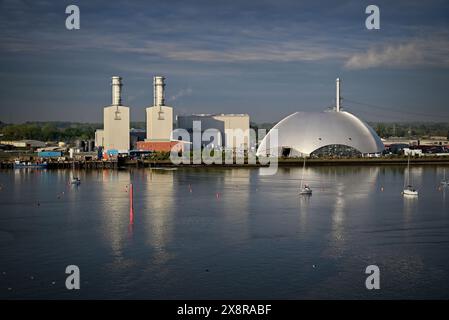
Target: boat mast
(303, 169)
(408, 170)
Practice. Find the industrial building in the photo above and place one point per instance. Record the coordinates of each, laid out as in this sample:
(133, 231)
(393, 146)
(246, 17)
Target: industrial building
(31, 144)
(159, 116)
(159, 121)
(99, 138)
(232, 130)
(332, 132)
(115, 134)
(136, 135)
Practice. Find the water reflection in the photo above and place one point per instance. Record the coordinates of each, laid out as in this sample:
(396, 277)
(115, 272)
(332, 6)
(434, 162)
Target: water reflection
(409, 205)
(114, 209)
(258, 228)
(339, 212)
(304, 204)
(157, 199)
(234, 198)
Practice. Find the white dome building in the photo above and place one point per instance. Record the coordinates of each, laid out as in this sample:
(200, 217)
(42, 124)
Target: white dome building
(304, 133)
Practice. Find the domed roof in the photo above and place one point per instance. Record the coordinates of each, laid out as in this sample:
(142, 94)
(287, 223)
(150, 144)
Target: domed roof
(305, 132)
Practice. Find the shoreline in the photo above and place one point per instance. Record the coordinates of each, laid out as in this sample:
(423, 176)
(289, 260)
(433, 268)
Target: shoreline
(281, 163)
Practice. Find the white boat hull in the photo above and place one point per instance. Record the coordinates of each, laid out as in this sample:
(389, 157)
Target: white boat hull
(305, 191)
(411, 193)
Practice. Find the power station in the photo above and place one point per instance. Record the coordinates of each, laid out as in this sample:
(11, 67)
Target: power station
(115, 134)
(159, 116)
(115, 137)
(300, 134)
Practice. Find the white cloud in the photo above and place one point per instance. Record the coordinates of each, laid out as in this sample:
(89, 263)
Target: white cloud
(414, 53)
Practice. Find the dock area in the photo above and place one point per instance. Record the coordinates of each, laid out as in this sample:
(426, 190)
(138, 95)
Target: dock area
(287, 162)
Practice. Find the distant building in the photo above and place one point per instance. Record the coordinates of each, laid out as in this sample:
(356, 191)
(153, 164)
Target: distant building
(424, 141)
(33, 144)
(412, 152)
(160, 146)
(159, 117)
(136, 135)
(232, 130)
(159, 120)
(115, 135)
(331, 133)
(99, 138)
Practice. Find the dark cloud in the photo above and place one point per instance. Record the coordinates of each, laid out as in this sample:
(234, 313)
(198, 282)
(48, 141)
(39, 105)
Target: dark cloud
(231, 56)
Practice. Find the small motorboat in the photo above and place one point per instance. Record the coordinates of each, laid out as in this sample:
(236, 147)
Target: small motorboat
(76, 181)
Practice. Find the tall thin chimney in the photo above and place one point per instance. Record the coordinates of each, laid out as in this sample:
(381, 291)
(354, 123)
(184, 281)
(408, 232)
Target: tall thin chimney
(158, 91)
(116, 91)
(338, 98)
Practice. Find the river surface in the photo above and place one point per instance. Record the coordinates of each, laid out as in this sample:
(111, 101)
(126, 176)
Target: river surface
(224, 234)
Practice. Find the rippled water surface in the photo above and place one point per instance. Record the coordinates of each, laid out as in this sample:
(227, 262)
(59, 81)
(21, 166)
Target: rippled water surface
(224, 233)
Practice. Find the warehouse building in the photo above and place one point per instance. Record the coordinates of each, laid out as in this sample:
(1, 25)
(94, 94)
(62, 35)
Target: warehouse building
(231, 130)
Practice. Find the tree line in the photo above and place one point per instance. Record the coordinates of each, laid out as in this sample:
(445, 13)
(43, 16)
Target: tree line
(48, 131)
(411, 129)
(70, 131)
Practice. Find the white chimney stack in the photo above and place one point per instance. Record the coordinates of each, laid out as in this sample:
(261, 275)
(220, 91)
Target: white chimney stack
(338, 98)
(158, 91)
(116, 91)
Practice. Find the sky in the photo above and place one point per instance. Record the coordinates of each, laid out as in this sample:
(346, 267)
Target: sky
(267, 58)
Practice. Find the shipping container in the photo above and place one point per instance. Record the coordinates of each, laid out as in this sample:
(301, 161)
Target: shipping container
(49, 154)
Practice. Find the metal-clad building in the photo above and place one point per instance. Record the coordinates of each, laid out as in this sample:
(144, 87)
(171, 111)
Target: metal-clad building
(232, 130)
(305, 133)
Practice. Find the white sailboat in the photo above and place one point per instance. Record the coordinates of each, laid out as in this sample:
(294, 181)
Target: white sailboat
(304, 189)
(409, 190)
(76, 181)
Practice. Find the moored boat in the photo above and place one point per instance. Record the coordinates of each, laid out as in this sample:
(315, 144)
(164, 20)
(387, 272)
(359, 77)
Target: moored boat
(25, 165)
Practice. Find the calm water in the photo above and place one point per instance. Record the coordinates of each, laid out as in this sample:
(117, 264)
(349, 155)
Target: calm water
(237, 234)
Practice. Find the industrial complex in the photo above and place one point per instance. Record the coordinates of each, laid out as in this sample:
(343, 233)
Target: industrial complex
(116, 137)
(329, 132)
(300, 134)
